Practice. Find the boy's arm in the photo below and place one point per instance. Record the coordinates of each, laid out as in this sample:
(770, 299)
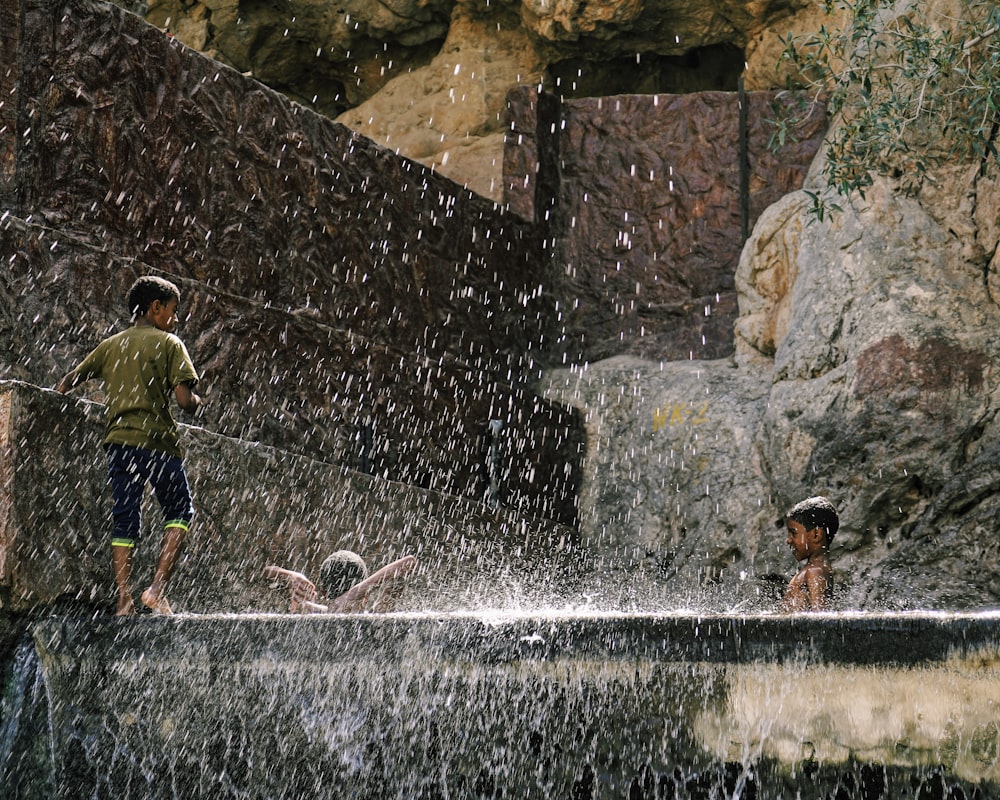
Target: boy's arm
(354, 598)
(303, 590)
(69, 381)
(90, 367)
(186, 398)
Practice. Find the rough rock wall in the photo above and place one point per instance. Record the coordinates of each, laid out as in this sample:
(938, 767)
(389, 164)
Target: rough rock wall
(255, 505)
(644, 206)
(866, 370)
(428, 79)
(341, 302)
(652, 193)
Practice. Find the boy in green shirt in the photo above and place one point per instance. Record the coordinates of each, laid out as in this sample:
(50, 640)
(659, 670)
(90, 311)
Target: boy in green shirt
(141, 367)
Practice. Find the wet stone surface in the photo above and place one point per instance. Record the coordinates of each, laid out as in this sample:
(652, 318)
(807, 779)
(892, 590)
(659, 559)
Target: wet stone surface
(255, 505)
(642, 196)
(582, 706)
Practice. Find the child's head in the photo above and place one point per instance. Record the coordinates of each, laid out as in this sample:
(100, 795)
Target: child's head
(815, 512)
(148, 289)
(340, 572)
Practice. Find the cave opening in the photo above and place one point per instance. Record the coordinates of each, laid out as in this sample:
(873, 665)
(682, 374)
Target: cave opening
(715, 67)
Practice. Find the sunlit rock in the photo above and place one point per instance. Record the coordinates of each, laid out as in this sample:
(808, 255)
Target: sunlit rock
(450, 114)
(565, 19)
(765, 278)
(766, 68)
(384, 68)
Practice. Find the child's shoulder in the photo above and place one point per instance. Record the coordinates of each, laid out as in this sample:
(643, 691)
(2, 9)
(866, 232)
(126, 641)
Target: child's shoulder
(113, 339)
(148, 333)
(819, 561)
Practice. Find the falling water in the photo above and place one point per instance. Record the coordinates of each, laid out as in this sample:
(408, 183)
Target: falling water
(576, 703)
(491, 705)
(26, 766)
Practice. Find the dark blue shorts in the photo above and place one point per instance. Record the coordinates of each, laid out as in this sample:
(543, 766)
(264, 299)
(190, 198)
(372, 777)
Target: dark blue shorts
(129, 470)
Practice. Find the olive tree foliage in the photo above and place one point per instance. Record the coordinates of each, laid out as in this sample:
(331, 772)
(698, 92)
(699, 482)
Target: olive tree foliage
(909, 85)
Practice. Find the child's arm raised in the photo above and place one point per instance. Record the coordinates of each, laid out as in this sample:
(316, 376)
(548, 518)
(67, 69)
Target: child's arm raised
(354, 599)
(302, 590)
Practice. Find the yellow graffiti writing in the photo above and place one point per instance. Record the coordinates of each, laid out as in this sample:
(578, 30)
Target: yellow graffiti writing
(680, 414)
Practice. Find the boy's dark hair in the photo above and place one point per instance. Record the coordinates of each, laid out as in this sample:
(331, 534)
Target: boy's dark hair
(816, 512)
(340, 572)
(147, 289)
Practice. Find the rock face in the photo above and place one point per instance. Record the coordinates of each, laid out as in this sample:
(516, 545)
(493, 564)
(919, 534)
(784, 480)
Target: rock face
(865, 370)
(402, 301)
(652, 196)
(864, 359)
(428, 79)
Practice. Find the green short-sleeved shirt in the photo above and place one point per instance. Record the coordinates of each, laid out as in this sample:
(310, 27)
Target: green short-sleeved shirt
(140, 368)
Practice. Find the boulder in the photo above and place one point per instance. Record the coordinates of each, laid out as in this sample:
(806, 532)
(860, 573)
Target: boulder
(450, 114)
(675, 498)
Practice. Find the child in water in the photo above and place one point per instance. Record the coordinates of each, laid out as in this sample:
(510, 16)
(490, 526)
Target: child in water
(811, 526)
(345, 582)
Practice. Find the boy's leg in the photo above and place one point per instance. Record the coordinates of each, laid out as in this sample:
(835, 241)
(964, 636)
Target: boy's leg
(155, 597)
(173, 493)
(121, 561)
(127, 474)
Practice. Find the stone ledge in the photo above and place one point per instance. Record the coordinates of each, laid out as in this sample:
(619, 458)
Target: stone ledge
(386, 700)
(505, 636)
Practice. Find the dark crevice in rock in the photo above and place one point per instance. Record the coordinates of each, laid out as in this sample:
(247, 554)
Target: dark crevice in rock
(702, 69)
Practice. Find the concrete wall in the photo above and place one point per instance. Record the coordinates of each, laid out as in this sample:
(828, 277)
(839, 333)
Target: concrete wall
(526, 705)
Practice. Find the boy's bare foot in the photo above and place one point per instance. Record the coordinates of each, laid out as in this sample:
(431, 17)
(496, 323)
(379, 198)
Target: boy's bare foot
(159, 605)
(125, 609)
